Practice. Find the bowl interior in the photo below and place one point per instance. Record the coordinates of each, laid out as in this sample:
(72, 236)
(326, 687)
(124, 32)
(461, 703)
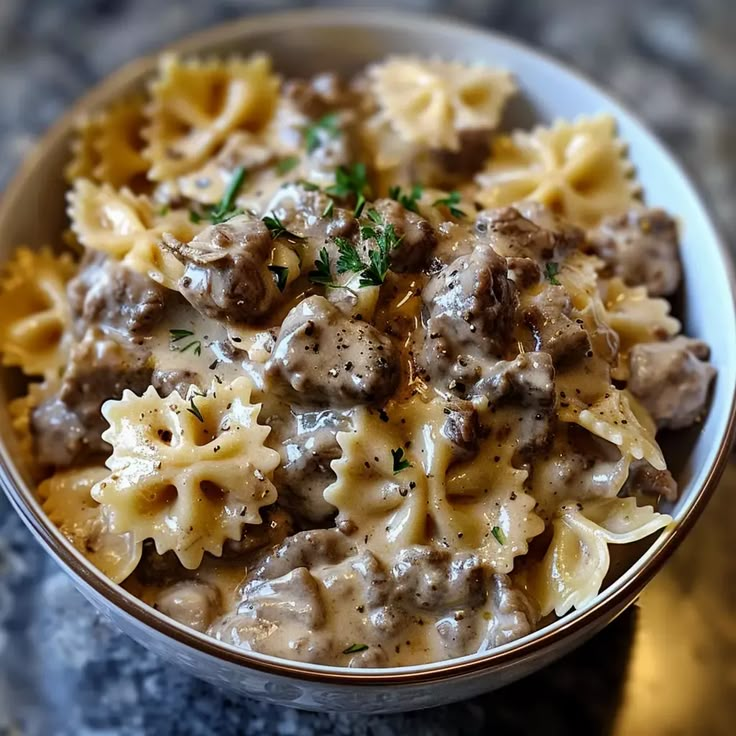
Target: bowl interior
(32, 210)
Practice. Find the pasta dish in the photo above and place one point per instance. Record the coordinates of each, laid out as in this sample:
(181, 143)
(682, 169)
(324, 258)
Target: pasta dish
(350, 371)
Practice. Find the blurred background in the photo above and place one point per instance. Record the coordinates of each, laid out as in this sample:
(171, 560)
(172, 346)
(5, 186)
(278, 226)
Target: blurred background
(666, 667)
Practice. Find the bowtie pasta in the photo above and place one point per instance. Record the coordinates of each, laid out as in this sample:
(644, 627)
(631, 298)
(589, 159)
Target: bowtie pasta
(344, 370)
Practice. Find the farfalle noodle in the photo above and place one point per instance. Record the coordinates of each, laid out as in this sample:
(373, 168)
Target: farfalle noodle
(187, 473)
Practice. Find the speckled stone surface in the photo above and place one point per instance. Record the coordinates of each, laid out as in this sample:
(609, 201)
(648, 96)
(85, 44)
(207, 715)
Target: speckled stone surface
(666, 667)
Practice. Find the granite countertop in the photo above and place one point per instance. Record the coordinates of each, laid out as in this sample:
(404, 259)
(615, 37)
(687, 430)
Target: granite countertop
(666, 667)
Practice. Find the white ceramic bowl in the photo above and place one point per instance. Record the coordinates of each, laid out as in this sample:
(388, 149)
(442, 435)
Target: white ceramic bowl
(301, 43)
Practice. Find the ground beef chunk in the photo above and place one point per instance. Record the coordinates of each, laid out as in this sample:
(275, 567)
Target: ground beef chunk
(107, 294)
(513, 614)
(417, 238)
(305, 549)
(462, 428)
(641, 247)
(428, 579)
(323, 356)
(547, 317)
(527, 381)
(319, 95)
(454, 167)
(277, 524)
(343, 224)
(305, 470)
(190, 602)
(469, 309)
(226, 276)
(525, 272)
(179, 379)
(671, 379)
(644, 480)
(67, 427)
(535, 234)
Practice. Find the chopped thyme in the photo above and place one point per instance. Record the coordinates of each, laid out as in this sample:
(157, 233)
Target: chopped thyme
(452, 199)
(194, 409)
(409, 201)
(551, 270)
(349, 181)
(177, 335)
(400, 462)
(349, 260)
(355, 648)
(278, 229)
(281, 275)
(225, 209)
(285, 165)
(325, 127)
(498, 534)
(322, 273)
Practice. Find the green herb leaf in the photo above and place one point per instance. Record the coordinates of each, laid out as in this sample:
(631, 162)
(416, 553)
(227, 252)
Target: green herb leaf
(375, 216)
(351, 181)
(450, 201)
(225, 209)
(349, 260)
(354, 648)
(324, 128)
(176, 335)
(551, 270)
(281, 276)
(322, 273)
(194, 409)
(277, 228)
(409, 201)
(499, 535)
(400, 462)
(329, 208)
(164, 210)
(379, 257)
(287, 164)
(307, 186)
(195, 217)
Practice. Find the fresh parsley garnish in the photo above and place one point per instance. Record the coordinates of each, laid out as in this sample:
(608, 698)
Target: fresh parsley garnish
(307, 186)
(375, 216)
(164, 210)
(379, 257)
(277, 228)
(351, 181)
(409, 201)
(498, 534)
(325, 127)
(349, 260)
(551, 270)
(452, 199)
(179, 335)
(285, 165)
(225, 209)
(327, 212)
(322, 273)
(355, 648)
(281, 275)
(194, 409)
(400, 462)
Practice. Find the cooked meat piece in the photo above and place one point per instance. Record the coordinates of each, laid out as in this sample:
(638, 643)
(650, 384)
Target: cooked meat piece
(226, 276)
(417, 238)
(305, 471)
(671, 379)
(436, 580)
(315, 97)
(190, 602)
(276, 526)
(547, 316)
(106, 293)
(645, 480)
(324, 357)
(178, 379)
(525, 272)
(513, 614)
(343, 224)
(469, 309)
(305, 549)
(536, 234)
(159, 570)
(462, 428)
(642, 248)
(67, 428)
(453, 167)
(529, 382)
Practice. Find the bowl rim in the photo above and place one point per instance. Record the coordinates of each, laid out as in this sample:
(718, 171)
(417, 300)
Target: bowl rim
(622, 591)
